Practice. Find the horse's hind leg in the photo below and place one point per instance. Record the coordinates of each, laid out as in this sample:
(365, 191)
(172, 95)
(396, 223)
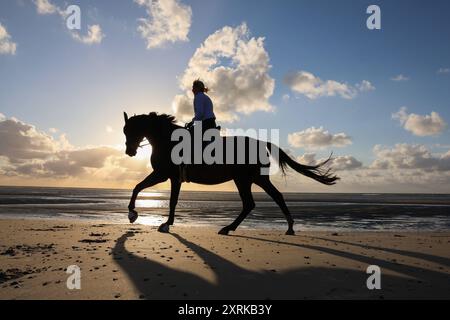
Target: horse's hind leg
(245, 191)
(276, 195)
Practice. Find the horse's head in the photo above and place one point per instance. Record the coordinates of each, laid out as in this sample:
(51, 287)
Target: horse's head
(134, 134)
(152, 126)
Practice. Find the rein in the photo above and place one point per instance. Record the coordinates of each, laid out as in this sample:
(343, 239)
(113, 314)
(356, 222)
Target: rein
(145, 144)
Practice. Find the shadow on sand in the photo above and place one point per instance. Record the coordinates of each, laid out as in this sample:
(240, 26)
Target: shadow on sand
(155, 280)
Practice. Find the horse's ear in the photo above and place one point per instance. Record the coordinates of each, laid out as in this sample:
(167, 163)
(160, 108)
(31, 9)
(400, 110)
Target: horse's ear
(125, 116)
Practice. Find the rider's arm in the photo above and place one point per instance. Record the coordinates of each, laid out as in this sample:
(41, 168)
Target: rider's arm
(198, 109)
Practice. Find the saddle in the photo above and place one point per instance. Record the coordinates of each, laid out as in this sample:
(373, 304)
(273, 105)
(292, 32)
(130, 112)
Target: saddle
(183, 168)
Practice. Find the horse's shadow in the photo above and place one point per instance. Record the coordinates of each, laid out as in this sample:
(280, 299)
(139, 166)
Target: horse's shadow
(155, 280)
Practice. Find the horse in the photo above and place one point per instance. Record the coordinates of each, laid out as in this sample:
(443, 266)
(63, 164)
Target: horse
(158, 129)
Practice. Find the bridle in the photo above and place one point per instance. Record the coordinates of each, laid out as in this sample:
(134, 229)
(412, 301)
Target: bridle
(143, 145)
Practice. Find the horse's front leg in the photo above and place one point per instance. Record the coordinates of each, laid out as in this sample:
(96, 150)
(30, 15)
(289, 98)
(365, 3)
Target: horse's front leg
(152, 179)
(174, 193)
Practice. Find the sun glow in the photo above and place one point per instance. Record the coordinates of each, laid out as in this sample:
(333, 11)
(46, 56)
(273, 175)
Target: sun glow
(144, 153)
(152, 203)
(151, 220)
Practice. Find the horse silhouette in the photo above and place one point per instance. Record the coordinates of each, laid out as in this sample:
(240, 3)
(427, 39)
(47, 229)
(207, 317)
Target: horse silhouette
(158, 129)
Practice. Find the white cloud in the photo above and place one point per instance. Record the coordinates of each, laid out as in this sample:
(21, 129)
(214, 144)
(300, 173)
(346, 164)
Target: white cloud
(306, 83)
(235, 67)
(402, 168)
(168, 21)
(93, 36)
(45, 7)
(345, 163)
(313, 87)
(365, 86)
(407, 156)
(400, 77)
(317, 138)
(20, 141)
(443, 71)
(6, 45)
(427, 125)
(308, 159)
(339, 163)
(26, 152)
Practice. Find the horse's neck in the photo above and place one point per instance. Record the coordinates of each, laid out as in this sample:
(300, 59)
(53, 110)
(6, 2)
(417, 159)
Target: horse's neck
(161, 141)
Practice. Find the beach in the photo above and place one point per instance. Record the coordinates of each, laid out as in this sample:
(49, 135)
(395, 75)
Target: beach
(134, 261)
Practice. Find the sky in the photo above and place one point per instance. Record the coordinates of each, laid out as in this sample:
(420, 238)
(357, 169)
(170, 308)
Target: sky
(378, 99)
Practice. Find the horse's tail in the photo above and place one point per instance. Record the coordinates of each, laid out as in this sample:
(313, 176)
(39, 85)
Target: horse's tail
(316, 172)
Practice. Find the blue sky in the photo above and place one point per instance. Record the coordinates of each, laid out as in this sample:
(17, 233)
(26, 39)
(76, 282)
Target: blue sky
(53, 81)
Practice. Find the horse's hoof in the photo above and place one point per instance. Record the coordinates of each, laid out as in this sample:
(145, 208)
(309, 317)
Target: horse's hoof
(132, 216)
(224, 231)
(164, 228)
(290, 233)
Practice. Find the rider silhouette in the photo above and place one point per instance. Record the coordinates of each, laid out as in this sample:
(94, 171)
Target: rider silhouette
(203, 115)
(203, 107)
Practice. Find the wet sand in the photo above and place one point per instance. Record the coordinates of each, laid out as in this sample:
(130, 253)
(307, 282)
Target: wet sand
(123, 261)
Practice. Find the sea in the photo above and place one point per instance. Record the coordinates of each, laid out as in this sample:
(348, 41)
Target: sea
(311, 211)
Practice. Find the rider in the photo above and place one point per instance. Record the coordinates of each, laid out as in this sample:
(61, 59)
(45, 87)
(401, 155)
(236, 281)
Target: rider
(203, 107)
(203, 114)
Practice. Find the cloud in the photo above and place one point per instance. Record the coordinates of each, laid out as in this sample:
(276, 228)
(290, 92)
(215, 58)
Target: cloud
(168, 21)
(21, 142)
(28, 153)
(338, 163)
(409, 156)
(402, 168)
(45, 7)
(427, 125)
(313, 87)
(30, 156)
(365, 86)
(308, 159)
(317, 138)
(443, 71)
(6, 45)
(399, 77)
(235, 67)
(286, 97)
(345, 163)
(93, 36)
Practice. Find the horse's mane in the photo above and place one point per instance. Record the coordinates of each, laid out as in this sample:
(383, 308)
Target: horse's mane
(164, 117)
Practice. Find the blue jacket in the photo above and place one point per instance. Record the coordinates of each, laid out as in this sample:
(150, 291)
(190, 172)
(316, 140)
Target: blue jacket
(203, 107)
